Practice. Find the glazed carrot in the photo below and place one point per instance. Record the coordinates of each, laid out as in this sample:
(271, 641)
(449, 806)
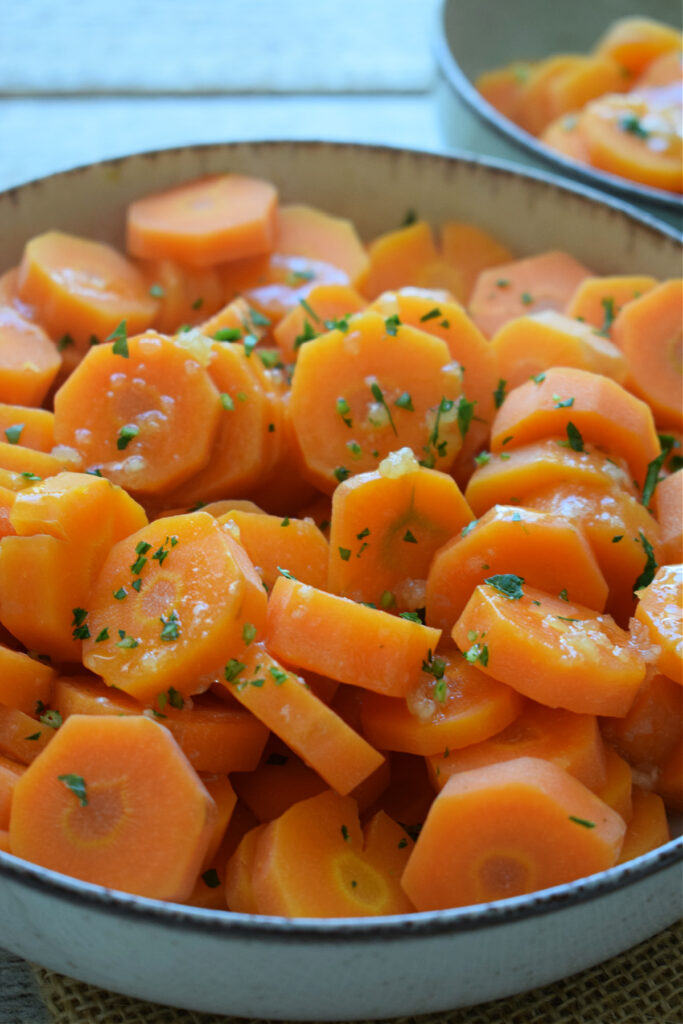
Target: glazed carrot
(588, 77)
(660, 608)
(305, 231)
(528, 345)
(9, 294)
(25, 682)
(276, 284)
(397, 258)
(26, 426)
(549, 552)
(23, 467)
(239, 891)
(571, 741)
(453, 705)
(506, 477)
(601, 412)
(617, 789)
(232, 322)
(530, 285)
(599, 300)
(83, 694)
(635, 41)
(82, 289)
(648, 827)
(556, 652)
(387, 526)
(10, 772)
(648, 331)
(281, 700)
(324, 303)
(29, 360)
(469, 250)
(669, 783)
(213, 737)
(311, 862)
(202, 222)
(648, 734)
(502, 87)
(663, 70)
(119, 805)
(22, 736)
(669, 506)
(273, 542)
(564, 137)
(7, 499)
(409, 794)
(280, 780)
(224, 797)
(508, 829)
(157, 415)
(534, 106)
(146, 636)
(360, 393)
(349, 642)
(185, 295)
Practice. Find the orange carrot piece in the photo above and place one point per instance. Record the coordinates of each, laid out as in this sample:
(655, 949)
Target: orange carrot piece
(588, 77)
(213, 737)
(648, 827)
(324, 302)
(386, 527)
(598, 408)
(397, 258)
(669, 782)
(669, 506)
(9, 294)
(528, 345)
(530, 285)
(26, 466)
(83, 289)
(305, 231)
(205, 221)
(26, 426)
(469, 250)
(276, 284)
(635, 41)
(10, 771)
(224, 797)
(571, 741)
(273, 542)
(153, 636)
(119, 805)
(454, 705)
(361, 393)
(660, 608)
(29, 360)
(648, 331)
(4, 841)
(280, 780)
(556, 652)
(599, 300)
(667, 69)
(508, 829)
(83, 694)
(648, 735)
(617, 788)
(513, 540)
(185, 295)
(349, 642)
(409, 794)
(502, 87)
(564, 137)
(22, 737)
(25, 683)
(239, 891)
(535, 107)
(282, 701)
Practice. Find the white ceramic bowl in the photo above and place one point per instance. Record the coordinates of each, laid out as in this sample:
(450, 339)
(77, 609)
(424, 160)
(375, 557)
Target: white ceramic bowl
(343, 969)
(474, 36)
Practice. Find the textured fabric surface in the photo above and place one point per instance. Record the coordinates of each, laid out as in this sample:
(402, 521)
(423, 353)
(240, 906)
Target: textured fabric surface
(642, 986)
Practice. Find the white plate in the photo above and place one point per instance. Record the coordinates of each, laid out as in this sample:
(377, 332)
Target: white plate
(343, 969)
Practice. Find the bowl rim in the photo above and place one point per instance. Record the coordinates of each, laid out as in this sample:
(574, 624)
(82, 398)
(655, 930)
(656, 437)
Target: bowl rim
(461, 84)
(72, 890)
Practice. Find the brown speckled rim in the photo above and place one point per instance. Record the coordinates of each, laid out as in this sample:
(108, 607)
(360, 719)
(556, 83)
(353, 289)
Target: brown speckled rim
(464, 88)
(14, 871)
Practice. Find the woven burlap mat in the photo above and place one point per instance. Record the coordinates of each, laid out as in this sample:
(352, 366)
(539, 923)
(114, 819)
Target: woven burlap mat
(642, 986)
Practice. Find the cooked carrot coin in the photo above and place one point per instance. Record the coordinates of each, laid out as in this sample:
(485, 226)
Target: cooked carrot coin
(29, 360)
(660, 607)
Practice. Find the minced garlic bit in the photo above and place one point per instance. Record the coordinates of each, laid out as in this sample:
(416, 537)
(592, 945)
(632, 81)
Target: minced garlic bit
(398, 463)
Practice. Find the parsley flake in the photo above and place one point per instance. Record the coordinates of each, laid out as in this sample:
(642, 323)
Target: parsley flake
(227, 334)
(344, 554)
(650, 568)
(391, 325)
(120, 593)
(378, 395)
(409, 537)
(560, 403)
(156, 291)
(171, 627)
(344, 409)
(341, 473)
(430, 315)
(526, 298)
(126, 435)
(76, 783)
(582, 821)
(120, 339)
(64, 342)
(499, 393)
(405, 401)
(227, 402)
(102, 635)
(211, 878)
(345, 834)
(233, 669)
(574, 437)
(508, 584)
(248, 632)
(13, 433)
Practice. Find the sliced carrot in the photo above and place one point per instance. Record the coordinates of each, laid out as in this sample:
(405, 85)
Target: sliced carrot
(83, 694)
(232, 322)
(571, 741)
(83, 289)
(534, 107)
(224, 797)
(150, 398)
(9, 294)
(528, 345)
(513, 540)
(454, 705)
(306, 231)
(507, 477)
(617, 789)
(563, 135)
(347, 641)
(648, 734)
(660, 608)
(7, 499)
(588, 77)
(273, 542)
(23, 467)
(26, 426)
(409, 794)
(598, 408)
(669, 505)
(469, 250)
(556, 652)
(649, 332)
(197, 594)
(282, 701)
(502, 87)
(386, 527)
(530, 285)
(22, 736)
(669, 783)
(666, 69)
(508, 829)
(213, 737)
(239, 891)
(29, 360)
(648, 827)
(219, 217)
(281, 780)
(185, 295)
(598, 300)
(119, 806)
(635, 41)
(276, 284)
(324, 303)
(25, 683)
(397, 258)
(360, 393)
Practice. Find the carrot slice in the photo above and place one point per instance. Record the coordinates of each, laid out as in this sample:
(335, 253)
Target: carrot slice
(26, 426)
(571, 741)
(29, 360)
(273, 542)
(617, 789)
(635, 41)
(669, 783)
(185, 295)
(119, 805)
(648, 330)
(146, 633)
(667, 69)
(386, 527)
(346, 641)
(648, 827)
(534, 107)
(397, 258)
(224, 797)
(648, 734)
(239, 891)
(660, 608)
(528, 345)
(219, 217)
(599, 300)
(22, 736)
(23, 467)
(10, 771)
(324, 303)
(305, 231)
(513, 540)
(508, 829)
(587, 78)
(557, 652)
(363, 392)
(25, 683)
(669, 505)
(563, 135)
(153, 393)
(598, 408)
(502, 87)
(280, 780)
(530, 285)
(9, 294)
(275, 284)
(469, 250)
(453, 705)
(283, 702)
(83, 289)
(409, 794)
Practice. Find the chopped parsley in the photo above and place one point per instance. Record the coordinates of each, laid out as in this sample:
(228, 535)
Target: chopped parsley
(405, 401)
(120, 340)
(409, 537)
(344, 554)
(378, 395)
(508, 584)
(582, 821)
(13, 433)
(64, 342)
(171, 627)
(650, 568)
(430, 315)
(126, 435)
(499, 393)
(76, 783)
(344, 410)
(248, 632)
(391, 325)
(233, 669)
(227, 402)
(341, 473)
(228, 334)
